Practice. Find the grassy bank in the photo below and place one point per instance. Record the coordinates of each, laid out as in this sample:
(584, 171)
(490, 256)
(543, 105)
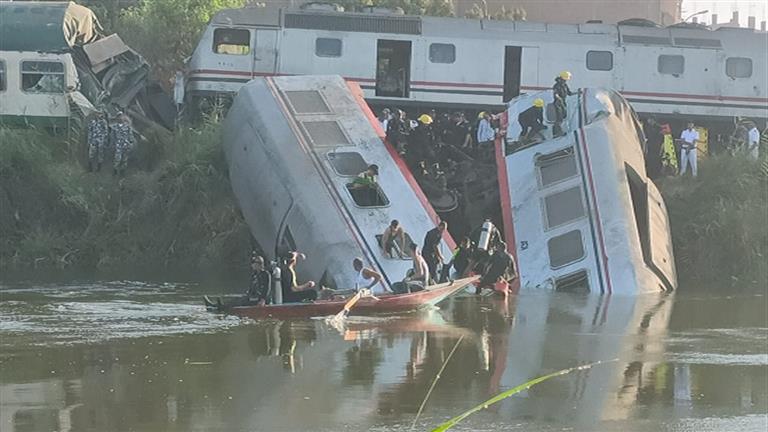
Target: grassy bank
(720, 223)
(173, 210)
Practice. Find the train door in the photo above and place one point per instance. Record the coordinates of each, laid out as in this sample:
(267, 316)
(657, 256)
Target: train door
(512, 71)
(393, 68)
(265, 53)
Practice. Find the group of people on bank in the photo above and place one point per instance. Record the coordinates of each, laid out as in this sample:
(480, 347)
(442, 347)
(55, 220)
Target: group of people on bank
(103, 135)
(667, 155)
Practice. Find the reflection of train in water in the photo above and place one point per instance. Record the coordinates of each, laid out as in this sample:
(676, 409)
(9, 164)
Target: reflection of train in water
(428, 61)
(579, 208)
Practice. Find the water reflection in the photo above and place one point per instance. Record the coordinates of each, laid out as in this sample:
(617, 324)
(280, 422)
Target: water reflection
(681, 363)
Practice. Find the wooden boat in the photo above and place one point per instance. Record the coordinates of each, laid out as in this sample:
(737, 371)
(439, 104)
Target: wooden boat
(382, 304)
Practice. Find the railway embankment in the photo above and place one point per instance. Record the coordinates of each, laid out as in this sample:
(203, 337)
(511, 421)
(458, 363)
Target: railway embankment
(174, 211)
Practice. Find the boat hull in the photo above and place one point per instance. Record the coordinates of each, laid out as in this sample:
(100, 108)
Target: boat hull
(390, 303)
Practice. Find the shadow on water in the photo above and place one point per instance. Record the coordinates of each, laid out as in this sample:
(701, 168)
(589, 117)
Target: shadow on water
(131, 356)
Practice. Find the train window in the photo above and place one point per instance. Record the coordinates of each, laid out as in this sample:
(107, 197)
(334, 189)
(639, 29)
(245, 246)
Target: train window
(3, 84)
(556, 167)
(671, 64)
(231, 41)
(347, 164)
(367, 196)
(599, 60)
(565, 249)
(738, 67)
(442, 53)
(42, 77)
(327, 47)
(563, 207)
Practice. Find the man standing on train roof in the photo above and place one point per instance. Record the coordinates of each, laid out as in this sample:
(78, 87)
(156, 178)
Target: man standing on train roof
(485, 133)
(560, 91)
(532, 121)
(431, 249)
(688, 152)
(366, 278)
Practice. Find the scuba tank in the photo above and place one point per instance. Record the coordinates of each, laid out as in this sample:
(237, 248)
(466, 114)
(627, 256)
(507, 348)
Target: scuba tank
(485, 235)
(277, 286)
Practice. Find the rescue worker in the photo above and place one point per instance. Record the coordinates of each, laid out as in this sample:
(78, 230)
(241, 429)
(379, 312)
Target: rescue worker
(753, 142)
(688, 154)
(384, 118)
(431, 248)
(259, 290)
(461, 131)
(501, 267)
(560, 91)
(366, 178)
(655, 142)
(462, 256)
(293, 292)
(532, 121)
(393, 235)
(366, 278)
(398, 131)
(418, 276)
(98, 133)
(422, 141)
(124, 143)
(485, 134)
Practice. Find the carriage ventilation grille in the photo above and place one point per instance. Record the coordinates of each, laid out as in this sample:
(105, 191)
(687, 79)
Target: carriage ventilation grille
(647, 40)
(307, 102)
(354, 23)
(325, 134)
(696, 42)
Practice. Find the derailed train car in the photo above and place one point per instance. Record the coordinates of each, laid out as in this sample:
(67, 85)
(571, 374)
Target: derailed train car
(579, 208)
(56, 65)
(294, 146)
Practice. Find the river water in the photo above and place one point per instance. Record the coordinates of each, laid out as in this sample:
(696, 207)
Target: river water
(129, 356)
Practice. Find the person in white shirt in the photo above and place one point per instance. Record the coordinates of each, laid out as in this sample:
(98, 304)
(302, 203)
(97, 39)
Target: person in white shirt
(384, 118)
(753, 142)
(688, 153)
(485, 133)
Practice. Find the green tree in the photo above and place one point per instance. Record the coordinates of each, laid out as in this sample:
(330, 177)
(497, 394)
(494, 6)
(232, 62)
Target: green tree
(166, 32)
(409, 7)
(481, 11)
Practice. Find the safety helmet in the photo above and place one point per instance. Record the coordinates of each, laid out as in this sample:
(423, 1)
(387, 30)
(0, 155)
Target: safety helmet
(425, 118)
(538, 103)
(481, 115)
(565, 75)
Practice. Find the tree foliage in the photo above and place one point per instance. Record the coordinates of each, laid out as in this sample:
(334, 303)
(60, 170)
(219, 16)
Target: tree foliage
(409, 7)
(481, 11)
(166, 32)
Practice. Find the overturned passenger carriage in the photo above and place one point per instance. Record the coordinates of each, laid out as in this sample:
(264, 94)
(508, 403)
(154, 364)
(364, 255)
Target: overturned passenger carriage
(294, 146)
(579, 208)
